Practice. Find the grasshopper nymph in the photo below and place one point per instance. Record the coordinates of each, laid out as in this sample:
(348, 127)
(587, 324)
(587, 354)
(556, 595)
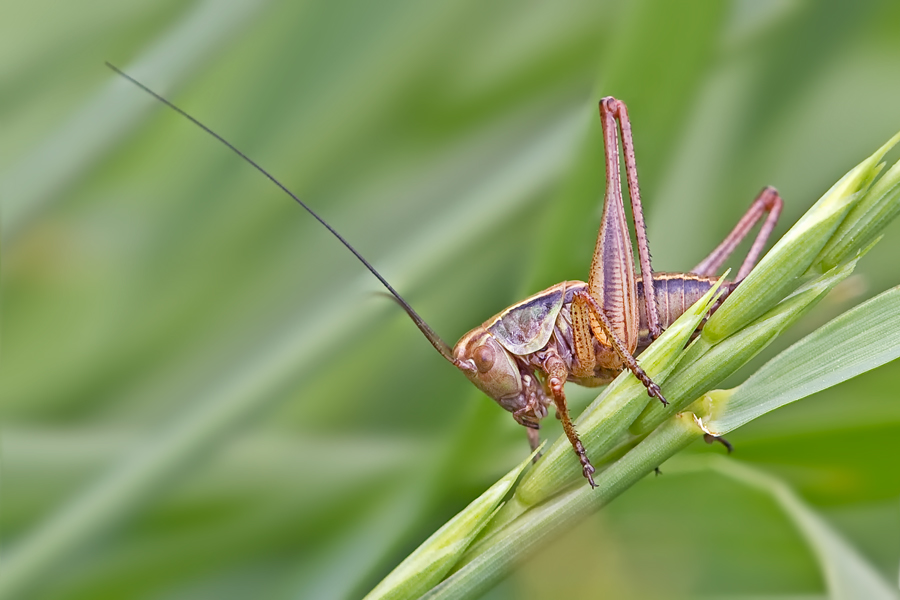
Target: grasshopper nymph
(584, 332)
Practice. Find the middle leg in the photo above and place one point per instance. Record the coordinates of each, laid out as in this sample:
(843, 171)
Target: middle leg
(625, 356)
(556, 371)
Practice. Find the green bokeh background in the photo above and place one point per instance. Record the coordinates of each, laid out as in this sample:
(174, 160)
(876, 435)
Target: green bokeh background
(162, 301)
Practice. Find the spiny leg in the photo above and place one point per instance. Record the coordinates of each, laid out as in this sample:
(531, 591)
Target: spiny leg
(611, 281)
(652, 389)
(612, 108)
(556, 377)
(768, 201)
(710, 438)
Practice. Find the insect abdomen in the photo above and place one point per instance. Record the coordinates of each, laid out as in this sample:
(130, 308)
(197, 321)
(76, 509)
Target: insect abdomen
(675, 293)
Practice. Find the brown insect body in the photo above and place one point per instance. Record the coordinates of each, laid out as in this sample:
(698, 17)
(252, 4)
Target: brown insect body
(675, 293)
(589, 332)
(541, 325)
(584, 332)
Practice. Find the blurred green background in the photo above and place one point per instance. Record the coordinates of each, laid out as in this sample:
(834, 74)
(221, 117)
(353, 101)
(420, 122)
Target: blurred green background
(205, 397)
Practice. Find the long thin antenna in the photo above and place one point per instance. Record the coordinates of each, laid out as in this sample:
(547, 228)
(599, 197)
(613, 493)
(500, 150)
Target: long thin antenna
(439, 344)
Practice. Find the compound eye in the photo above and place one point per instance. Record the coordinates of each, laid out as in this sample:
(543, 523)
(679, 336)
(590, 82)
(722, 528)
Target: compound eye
(484, 358)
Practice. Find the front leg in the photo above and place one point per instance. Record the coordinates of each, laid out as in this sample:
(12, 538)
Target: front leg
(533, 409)
(525, 417)
(556, 371)
(534, 440)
